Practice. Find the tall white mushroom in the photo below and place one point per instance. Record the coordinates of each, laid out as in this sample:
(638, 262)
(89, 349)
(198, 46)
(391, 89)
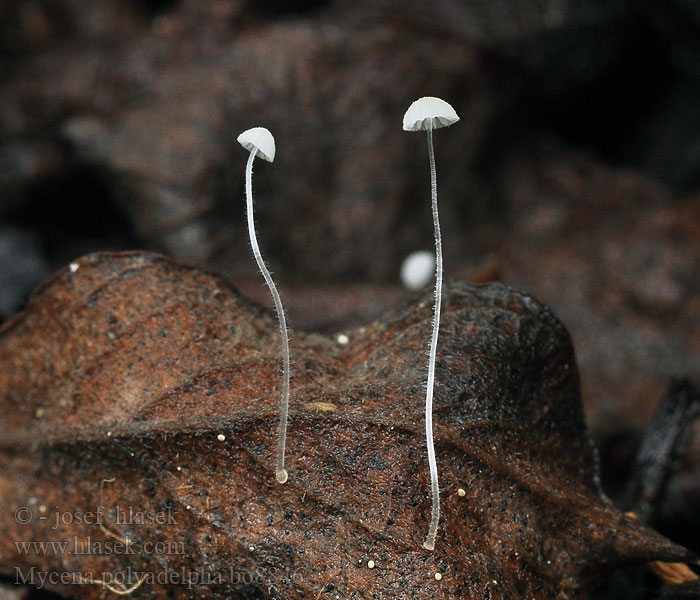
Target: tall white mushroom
(432, 113)
(259, 142)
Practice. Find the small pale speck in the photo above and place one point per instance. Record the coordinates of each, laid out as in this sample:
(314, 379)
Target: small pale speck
(42, 508)
(320, 406)
(417, 269)
(461, 493)
(179, 468)
(74, 267)
(438, 576)
(251, 548)
(109, 434)
(40, 412)
(187, 506)
(343, 339)
(221, 437)
(370, 564)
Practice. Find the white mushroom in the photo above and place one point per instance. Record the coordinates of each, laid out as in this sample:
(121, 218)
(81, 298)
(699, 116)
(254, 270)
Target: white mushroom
(432, 113)
(259, 142)
(429, 113)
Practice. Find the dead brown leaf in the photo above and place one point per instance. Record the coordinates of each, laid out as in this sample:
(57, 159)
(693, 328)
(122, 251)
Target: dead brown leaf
(129, 366)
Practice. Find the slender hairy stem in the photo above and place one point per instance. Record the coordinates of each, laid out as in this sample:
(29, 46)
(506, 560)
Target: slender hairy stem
(429, 543)
(280, 471)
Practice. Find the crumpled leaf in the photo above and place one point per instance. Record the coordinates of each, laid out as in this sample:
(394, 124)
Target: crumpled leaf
(130, 367)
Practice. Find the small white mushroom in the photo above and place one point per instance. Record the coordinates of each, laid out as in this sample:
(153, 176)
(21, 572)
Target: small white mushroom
(427, 114)
(259, 141)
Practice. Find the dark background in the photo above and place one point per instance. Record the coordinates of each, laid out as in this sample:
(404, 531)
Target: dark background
(574, 173)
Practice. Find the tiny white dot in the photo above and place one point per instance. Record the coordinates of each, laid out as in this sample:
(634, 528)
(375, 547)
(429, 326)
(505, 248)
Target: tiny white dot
(187, 506)
(343, 339)
(461, 493)
(438, 576)
(221, 437)
(179, 468)
(418, 269)
(42, 508)
(109, 434)
(251, 548)
(370, 564)
(74, 267)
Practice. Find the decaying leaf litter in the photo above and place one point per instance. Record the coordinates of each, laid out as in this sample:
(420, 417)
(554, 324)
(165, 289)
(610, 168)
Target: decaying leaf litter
(131, 366)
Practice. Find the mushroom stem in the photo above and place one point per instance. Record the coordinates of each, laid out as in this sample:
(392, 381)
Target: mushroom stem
(429, 543)
(280, 471)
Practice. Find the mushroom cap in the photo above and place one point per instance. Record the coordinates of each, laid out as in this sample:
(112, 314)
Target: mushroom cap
(429, 111)
(260, 139)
